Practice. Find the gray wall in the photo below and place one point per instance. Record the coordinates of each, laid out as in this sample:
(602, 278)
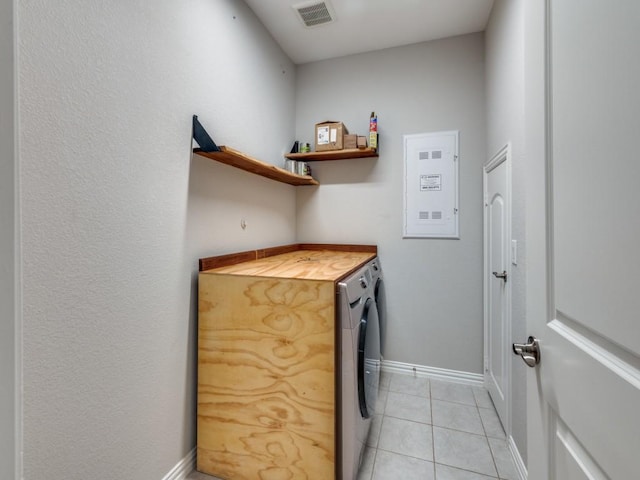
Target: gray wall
(434, 287)
(7, 256)
(505, 124)
(115, 215)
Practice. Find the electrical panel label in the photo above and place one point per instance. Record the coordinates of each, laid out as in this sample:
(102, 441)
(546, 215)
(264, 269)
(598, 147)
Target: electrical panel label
(430, 183)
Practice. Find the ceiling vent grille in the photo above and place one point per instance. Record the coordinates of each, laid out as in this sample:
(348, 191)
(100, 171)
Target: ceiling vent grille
(315, 13)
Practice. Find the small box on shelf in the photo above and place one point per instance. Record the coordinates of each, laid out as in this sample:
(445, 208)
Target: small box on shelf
(330, 136)
(350, 141)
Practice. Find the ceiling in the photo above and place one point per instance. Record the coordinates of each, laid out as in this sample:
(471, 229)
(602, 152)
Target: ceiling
(367, 25)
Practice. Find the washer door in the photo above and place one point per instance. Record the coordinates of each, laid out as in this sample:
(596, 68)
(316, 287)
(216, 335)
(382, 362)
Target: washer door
(368, 359)
(381, 303)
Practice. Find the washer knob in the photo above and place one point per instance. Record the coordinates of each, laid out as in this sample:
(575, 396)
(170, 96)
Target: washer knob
(363, 282)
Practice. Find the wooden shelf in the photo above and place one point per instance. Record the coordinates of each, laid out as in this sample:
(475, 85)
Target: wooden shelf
(334, 154)
(237, 159)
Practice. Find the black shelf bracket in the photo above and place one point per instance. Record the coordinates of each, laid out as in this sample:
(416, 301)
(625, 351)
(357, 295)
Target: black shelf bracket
(202, 138)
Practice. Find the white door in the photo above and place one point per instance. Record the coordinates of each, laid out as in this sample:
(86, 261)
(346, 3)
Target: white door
(496, 281)
(583, 238)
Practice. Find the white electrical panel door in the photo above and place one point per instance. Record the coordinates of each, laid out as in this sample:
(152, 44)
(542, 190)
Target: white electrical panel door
(431, 185)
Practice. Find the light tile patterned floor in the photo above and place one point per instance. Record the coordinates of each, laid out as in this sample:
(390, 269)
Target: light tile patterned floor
(432, 430)
(435, 430)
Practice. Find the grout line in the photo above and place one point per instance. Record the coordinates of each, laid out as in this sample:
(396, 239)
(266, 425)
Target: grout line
(459, 431)
(404, 455)
(373, 462)
(484, 429)
(486, 436)
(433, 437)
(457, 403)
(493, 457)
(414, 395)
(492, 477)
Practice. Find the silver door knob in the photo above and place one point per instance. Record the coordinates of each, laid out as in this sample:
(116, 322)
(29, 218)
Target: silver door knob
(502, 275)
(530, 352)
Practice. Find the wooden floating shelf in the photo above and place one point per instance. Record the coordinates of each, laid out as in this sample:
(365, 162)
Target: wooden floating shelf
(237, 159)
(334, 154)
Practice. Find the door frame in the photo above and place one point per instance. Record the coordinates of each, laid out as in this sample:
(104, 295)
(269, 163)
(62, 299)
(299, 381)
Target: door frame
(10, 274)
(536, 194)
(502, 156)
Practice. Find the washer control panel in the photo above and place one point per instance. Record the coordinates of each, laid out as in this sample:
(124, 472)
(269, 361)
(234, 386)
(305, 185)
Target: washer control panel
(357, 284)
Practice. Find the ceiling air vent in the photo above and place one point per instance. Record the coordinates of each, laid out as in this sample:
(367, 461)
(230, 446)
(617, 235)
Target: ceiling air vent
(315, 13)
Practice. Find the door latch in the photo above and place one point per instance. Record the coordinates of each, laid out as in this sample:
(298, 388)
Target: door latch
(530, 352)
(502, 275)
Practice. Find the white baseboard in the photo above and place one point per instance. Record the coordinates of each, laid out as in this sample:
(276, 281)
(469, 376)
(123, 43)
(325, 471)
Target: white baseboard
(517, 460)
(475, 379)
(183, 468)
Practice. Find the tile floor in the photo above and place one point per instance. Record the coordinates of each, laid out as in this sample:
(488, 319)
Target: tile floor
(427, 429)
(435, 430)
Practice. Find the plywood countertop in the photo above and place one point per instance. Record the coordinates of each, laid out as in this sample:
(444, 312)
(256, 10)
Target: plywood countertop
(325, 265)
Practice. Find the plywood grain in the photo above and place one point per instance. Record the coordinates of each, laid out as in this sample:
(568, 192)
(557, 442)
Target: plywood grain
(266, 378)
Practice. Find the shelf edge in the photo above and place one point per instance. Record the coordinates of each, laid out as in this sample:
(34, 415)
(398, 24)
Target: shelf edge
(334, 154)
(239, 160)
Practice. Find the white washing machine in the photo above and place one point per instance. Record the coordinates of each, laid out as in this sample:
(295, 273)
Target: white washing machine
(360, 366)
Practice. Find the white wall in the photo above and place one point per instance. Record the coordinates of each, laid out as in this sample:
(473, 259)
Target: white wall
(434, 287)
(115, 215)
(505, 124)
(7, 245)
